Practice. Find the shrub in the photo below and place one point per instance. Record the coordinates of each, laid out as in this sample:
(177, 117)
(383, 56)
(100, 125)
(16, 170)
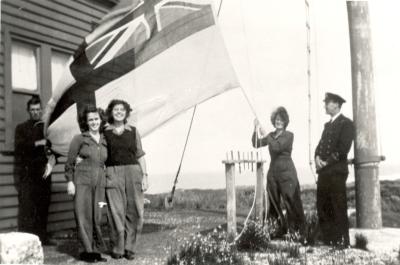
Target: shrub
(311, 227)
(212, 248)
(361, 241)
(254, 237)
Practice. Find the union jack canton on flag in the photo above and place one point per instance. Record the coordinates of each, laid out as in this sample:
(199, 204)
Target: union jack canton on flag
(161, 56)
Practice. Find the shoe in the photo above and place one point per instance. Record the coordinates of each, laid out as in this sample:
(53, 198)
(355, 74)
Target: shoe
(87, 257)
(129, 255)
(116, 256)
(97, 257)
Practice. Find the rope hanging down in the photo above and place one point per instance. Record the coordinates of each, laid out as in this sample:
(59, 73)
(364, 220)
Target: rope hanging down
(257, 133)
(169, 199)
(249, 64)
(308, 29)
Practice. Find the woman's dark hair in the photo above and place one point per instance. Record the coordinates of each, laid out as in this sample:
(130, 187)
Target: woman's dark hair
(82, 118)
(112, 104)
(281, 111)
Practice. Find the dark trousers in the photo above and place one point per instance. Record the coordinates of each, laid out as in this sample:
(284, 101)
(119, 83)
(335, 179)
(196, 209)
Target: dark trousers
(125, 207)
(88, 216)
(34, 201)
(289, 190)
(332, 208)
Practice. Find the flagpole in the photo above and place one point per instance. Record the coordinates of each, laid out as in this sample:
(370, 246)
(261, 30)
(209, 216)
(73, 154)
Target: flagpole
(366, 162)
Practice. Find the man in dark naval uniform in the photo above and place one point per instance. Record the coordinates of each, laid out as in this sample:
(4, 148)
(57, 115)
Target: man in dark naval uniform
(331, 163)
(34, 184)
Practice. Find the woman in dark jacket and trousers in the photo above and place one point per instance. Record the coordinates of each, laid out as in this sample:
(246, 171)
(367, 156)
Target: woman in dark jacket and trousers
(126, 180)
(282, 179)
(85, 172)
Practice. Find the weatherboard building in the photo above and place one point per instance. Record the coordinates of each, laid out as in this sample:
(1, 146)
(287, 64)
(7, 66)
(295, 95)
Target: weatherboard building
(37, 39)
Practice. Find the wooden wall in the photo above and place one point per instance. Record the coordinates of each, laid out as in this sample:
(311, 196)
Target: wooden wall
(60, 23)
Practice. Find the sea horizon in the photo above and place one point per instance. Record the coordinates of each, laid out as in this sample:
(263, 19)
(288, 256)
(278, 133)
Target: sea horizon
(163, 182)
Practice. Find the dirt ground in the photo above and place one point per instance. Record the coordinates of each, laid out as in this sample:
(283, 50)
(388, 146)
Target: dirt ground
(162, 233)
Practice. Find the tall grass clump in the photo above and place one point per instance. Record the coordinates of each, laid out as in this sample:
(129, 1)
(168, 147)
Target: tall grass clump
(278, 259)
(255, 237)
(290, 247)
(311, 227)
(212, 248)
(293, 250)
(361, 241)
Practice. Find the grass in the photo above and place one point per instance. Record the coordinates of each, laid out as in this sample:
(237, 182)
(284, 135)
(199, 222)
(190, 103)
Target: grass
(278, 259)
(255, 237)
(169, 233)
(292, 249)
(212, 248)
(361, 241)
(215, 200)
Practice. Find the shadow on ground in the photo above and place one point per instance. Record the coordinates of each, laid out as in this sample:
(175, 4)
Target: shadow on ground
(66, 242)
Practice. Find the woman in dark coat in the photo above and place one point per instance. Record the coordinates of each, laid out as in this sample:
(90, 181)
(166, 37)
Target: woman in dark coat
(282, 182)
(85, 172)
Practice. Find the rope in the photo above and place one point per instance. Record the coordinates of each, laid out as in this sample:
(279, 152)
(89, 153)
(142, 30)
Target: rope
(187, 136)
(255, 114)
(248, 216)
(219, 8)
(250, 66)
(253, 204)
(308, 30)
(183, 154)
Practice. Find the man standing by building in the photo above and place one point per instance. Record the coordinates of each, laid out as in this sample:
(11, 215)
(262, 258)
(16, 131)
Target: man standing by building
(31, 160)
(331, 162)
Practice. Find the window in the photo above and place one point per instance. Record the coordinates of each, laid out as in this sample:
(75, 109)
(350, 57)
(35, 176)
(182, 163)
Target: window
(59, 62)
(31, 67)
(24, 66)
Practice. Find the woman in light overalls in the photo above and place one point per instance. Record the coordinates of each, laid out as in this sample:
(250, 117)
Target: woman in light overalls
(85, 172)
(126, 180)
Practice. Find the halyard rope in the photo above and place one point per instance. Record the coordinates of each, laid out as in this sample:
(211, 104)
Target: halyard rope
(187, 136)
(255, 114)
(308, 30)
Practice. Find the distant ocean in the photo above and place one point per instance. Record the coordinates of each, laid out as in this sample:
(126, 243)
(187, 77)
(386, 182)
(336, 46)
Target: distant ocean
(160, 183)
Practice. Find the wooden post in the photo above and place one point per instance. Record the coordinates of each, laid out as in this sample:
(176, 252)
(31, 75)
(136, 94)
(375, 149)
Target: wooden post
(230, 199)
(260, 192)
(368, 199)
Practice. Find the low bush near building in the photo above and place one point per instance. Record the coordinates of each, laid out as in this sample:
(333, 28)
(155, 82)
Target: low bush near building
(212, 248)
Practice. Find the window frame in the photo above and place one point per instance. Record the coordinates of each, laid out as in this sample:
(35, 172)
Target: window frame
(56, 49)
(38, 65)
(44, 77)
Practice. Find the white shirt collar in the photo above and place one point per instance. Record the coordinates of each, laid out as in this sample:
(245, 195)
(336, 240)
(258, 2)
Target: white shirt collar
(112, 127)
(335, 117)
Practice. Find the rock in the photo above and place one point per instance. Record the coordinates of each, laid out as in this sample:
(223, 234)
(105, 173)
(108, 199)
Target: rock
(20, 248)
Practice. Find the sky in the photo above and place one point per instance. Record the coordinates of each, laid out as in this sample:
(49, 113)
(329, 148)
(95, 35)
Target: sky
(266, 41)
